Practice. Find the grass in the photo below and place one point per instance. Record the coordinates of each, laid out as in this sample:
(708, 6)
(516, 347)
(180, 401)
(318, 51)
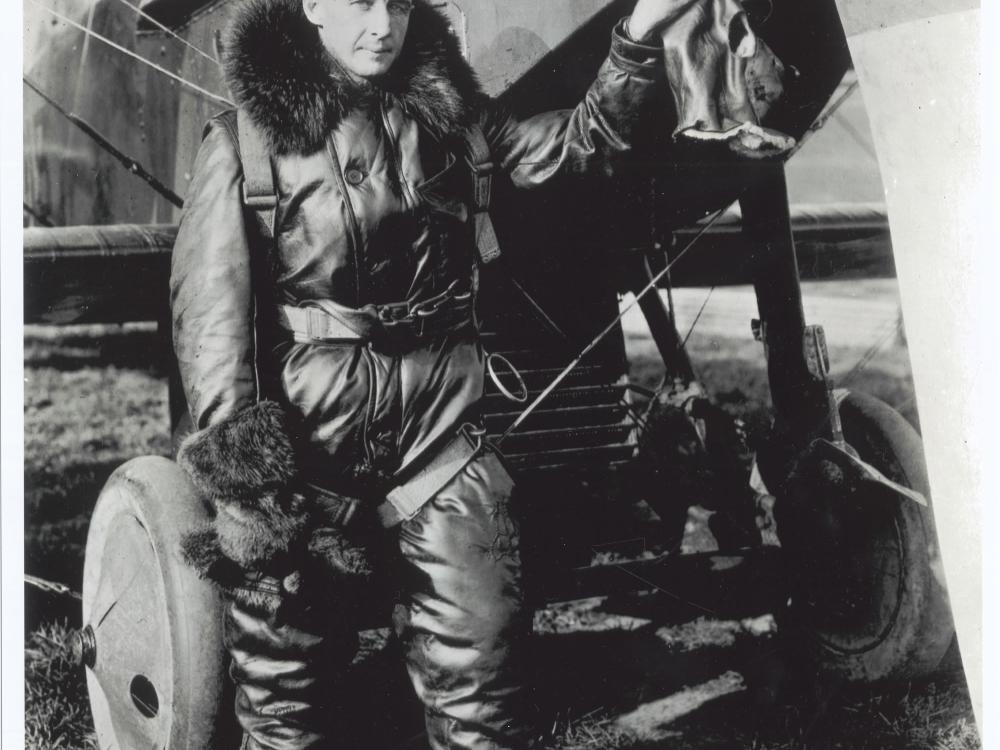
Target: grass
(92, 402)
(928, 715)
(56, 711)
(735, 374)
(590, 733)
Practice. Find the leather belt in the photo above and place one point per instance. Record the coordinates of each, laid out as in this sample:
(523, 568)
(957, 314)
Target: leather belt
(316, 323)
(326, 321)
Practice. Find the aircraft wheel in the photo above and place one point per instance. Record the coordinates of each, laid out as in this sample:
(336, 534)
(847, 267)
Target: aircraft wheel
(152, 636)
(868, 599)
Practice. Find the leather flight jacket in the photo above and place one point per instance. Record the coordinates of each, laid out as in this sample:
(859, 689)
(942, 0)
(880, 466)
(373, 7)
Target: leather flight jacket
(375, 207)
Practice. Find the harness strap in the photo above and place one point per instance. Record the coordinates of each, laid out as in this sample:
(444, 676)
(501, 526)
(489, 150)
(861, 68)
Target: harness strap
(406, 499)
(482, 175)
(324, 324)
(325, 320)
(259, 193)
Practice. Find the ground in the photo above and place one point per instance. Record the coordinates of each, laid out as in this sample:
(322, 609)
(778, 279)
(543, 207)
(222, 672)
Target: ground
(642, 671)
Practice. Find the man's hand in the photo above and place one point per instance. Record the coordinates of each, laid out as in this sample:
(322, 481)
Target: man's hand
(650, 16)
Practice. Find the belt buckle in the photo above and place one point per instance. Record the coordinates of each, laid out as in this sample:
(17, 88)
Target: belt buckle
(395, 323)
(388, 314)
(315, 324)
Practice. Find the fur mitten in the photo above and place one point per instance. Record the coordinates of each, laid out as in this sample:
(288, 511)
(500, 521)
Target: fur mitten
(245, 467)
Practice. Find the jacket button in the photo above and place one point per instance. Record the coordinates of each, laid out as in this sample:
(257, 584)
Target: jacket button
(354, 177)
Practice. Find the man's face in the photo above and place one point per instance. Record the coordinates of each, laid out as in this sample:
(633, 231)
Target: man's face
(364, 36)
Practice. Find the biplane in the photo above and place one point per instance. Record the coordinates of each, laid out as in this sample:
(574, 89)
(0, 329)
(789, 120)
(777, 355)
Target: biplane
(116, 95)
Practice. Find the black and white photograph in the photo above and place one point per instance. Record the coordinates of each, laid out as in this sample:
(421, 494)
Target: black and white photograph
(497, 374)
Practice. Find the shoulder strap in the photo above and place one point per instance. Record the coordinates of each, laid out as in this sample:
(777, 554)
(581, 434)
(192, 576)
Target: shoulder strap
(482, 165)
(259, 193)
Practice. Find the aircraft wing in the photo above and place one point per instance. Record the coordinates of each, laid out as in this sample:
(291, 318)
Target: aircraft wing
(119, 273)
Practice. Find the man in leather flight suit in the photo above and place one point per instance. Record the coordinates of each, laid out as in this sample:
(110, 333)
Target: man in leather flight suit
(332, 355)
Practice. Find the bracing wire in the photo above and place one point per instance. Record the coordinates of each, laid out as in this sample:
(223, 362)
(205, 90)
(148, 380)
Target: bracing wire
(820, 122)
(539, 310)
(817, 125)
(873, 350)
(168, 30)
(124, 50)
(697, 317)
(823, 118)
(529, 410)
(124, 159)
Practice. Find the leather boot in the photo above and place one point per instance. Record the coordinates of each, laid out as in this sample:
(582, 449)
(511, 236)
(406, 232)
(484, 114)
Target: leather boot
(462, 622)
(289, 658)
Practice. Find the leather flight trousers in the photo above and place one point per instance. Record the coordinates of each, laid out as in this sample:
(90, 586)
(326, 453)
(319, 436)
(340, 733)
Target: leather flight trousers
(460, 619)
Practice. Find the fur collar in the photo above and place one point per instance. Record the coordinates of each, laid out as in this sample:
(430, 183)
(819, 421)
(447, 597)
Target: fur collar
(277, 70)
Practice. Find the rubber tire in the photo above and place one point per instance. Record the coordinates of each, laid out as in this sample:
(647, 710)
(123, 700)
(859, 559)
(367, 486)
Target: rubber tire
(156, 494)
(916, 638)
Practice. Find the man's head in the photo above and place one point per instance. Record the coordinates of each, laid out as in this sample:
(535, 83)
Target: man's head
(364, 36)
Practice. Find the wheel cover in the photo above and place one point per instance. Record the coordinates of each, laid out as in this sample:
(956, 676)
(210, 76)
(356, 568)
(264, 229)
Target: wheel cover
(152, 636)
(131, 680)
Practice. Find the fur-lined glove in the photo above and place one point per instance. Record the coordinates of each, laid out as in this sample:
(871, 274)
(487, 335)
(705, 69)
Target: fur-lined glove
(245, 466)
(723, 78)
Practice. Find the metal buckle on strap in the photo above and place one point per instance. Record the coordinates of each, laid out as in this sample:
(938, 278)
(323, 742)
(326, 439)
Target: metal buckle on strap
(482, 168)
(483, 191)
(314, 324)
(317, 324)
(482, 177)
(263, 202)
(394, 314)
(474, 436)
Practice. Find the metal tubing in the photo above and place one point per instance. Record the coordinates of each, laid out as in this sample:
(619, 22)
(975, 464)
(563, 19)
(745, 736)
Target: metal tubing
(799, 397)
(663, 329)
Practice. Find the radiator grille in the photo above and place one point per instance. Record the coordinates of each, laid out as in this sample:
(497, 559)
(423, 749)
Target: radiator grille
(586, 422)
